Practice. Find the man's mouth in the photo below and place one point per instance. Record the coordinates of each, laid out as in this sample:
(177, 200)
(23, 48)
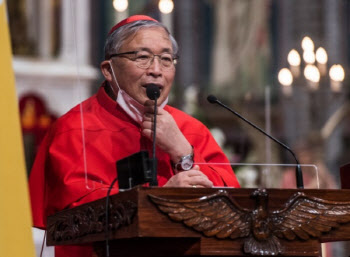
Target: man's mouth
(158, 85)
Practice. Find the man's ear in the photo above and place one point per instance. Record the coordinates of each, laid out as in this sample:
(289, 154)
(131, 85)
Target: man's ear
(106, 70)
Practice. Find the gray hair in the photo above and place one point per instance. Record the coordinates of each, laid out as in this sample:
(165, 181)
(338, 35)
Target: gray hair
(115, 40)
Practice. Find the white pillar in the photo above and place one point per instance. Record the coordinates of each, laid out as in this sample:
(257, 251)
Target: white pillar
(167, 20)
(222, 67)
(45, 29)
(119, 16)
(82, 35)
(32, 17)
(67, 45)
(75, 27)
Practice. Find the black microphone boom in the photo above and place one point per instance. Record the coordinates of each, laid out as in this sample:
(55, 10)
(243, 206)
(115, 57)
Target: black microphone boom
(153, 93)
(299, 175)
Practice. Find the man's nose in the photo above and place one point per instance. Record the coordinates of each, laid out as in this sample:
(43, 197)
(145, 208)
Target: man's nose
(156, 66)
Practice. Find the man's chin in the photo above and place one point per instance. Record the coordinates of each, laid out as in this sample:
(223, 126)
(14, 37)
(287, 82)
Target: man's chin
(160, 101)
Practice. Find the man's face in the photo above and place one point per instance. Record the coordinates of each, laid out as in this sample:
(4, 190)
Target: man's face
(132, 79)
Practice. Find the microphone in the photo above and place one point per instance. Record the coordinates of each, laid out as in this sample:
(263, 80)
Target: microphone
(298, 173)
(153, 93)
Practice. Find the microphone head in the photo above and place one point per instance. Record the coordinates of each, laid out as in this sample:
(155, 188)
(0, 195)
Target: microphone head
(212, 99)
(152, 91)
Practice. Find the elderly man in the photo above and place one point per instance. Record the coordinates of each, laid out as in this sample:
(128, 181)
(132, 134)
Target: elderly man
(76, 161)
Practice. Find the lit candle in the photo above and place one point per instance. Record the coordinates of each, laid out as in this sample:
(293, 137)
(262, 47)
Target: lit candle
(285, 78)
(309, 57)
(120, 5)
(337, 75)
(294, 62)
(312, 74)
(307, 44)
(322, 58)
(166, 6)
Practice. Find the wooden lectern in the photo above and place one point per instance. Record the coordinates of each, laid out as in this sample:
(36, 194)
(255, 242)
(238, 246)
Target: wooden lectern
(208, 222)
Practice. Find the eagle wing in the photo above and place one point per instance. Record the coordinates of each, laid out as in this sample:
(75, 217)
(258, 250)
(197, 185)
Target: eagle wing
(214, 215)
(305, 217)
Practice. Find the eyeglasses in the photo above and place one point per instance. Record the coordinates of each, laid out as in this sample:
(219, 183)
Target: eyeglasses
(144, 59)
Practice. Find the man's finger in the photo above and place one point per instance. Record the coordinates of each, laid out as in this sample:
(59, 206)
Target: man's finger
(195, 167)
(148, 133)
(148, 117)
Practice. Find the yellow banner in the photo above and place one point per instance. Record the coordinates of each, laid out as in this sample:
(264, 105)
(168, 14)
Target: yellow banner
(15, 218)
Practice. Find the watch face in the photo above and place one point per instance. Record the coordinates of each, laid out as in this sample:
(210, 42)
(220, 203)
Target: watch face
(187, 163)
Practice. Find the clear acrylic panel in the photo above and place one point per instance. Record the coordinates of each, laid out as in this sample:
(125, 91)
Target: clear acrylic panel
(236, 70)
(271, 175)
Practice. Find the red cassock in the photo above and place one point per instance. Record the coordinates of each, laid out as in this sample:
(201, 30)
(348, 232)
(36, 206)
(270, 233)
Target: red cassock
(76, 162)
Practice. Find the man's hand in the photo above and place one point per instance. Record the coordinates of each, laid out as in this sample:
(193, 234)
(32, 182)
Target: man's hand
(190, 178)
(169, 137)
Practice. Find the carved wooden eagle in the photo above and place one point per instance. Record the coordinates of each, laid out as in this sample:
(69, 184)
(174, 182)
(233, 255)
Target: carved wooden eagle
(219, 215)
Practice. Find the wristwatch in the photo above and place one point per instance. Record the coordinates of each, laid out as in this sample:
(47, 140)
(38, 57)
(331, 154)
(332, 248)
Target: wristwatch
(185, 163)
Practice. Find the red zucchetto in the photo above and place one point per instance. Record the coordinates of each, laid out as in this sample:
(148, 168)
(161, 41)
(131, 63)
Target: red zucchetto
(131, 19)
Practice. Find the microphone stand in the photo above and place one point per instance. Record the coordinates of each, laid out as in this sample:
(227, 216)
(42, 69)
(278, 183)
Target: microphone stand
(298, 173)
(154, 181)
(153, 93)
